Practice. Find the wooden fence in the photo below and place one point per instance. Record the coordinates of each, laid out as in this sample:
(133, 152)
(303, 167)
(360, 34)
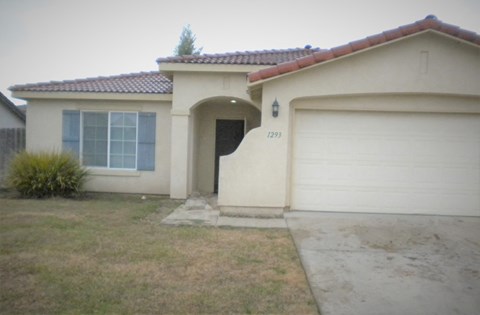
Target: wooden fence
(12, 140)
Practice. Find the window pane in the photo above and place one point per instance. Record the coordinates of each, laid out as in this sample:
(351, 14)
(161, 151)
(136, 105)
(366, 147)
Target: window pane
(88, 147)
(89, 119)
(130, 133)
(101, 160)
(116, 133)
(123, 137)
(116, 119)
(88, 159)
(116, 161)
(101, 147)
(102, 133)
(102, 119)
(116, 147)
(95, 139)
(89, 133)
(131, 120)
(129, 162)
(129, 148)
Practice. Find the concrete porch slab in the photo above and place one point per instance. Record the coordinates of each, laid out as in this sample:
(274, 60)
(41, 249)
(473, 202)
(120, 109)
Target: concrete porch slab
(203, 210)
(182, 216)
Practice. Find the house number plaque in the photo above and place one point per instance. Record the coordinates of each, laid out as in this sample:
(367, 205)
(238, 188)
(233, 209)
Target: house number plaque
(274, 134)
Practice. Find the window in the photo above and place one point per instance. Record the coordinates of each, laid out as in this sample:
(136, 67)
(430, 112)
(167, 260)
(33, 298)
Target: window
(120, 140)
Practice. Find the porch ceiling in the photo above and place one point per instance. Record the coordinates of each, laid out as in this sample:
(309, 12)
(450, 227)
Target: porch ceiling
(223, 100)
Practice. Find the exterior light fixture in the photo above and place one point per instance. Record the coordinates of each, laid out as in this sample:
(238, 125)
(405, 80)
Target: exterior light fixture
(275, 108)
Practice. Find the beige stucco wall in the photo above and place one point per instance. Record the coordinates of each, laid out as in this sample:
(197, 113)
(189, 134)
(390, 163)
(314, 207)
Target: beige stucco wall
(9, 119)
(191, 90)
(44, 132)
(205, 118)
(428, 64)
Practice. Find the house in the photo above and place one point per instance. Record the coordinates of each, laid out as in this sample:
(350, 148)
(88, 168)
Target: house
(12, 134)
(10, 115)
(389, 124)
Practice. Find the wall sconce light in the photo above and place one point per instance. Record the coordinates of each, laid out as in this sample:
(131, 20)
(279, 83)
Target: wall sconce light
(275, 108)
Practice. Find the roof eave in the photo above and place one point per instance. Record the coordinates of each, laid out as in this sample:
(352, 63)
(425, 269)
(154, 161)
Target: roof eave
(461, 40)
(168, 68)
(31, 95)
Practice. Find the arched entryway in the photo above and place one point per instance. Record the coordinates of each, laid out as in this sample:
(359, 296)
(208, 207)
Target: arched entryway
(219, 125)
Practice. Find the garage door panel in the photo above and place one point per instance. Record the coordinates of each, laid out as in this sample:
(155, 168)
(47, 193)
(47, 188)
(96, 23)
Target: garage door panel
(386, 162)
(446, 178)
(393, 176)
(382, 200)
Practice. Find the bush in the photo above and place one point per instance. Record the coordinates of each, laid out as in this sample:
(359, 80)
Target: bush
(46, 174)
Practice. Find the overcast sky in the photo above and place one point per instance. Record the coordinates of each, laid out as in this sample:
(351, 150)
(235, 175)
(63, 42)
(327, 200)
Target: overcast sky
(45, 40)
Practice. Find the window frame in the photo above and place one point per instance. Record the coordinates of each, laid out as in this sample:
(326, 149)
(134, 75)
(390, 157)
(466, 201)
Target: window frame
(109, 113)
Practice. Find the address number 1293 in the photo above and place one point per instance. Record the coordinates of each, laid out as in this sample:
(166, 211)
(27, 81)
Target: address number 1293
(274, 134)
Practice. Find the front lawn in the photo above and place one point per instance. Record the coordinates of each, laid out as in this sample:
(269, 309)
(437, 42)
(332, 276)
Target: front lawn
(108, 253)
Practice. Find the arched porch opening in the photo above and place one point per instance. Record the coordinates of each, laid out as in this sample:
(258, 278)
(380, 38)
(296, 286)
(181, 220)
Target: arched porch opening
(219, 125)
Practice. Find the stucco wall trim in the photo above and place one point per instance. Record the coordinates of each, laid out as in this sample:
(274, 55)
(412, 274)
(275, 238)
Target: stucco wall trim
(394, 102)
(180, 112)
(113, 172)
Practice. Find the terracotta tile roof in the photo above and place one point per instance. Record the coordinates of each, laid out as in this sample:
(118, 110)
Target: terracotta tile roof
(142, 82)
(259, 57)
(11, 107)
(429, 23)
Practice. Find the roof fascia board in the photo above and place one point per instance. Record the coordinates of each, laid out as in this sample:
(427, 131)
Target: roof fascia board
(451, 37)
(195, 67)
(26, 95)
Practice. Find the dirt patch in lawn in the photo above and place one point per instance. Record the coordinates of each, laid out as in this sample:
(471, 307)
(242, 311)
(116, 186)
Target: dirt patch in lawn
(107, 253)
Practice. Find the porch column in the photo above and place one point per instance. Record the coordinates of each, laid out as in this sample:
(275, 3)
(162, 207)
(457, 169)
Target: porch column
(179, 155)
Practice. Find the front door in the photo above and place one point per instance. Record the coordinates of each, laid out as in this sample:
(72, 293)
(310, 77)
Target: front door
(228, 135)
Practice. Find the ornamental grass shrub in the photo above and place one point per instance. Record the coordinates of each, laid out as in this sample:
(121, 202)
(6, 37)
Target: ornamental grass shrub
(46, 174)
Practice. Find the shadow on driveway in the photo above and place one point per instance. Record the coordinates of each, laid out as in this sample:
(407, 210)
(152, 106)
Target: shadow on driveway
(390, 264)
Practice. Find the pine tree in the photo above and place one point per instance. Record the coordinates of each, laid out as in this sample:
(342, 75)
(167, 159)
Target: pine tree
(186, 46)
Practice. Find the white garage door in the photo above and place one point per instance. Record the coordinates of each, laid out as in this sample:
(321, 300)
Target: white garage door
(386, 162)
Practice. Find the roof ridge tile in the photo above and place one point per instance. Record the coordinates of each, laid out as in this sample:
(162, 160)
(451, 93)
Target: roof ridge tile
(255, 57)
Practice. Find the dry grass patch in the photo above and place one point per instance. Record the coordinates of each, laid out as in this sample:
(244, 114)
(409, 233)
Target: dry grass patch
(109, 254)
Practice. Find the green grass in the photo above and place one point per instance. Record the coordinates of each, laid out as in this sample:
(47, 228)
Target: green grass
(109, 254)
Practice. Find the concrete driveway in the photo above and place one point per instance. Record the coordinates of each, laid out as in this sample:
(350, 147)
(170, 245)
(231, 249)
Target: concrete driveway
(390, 264)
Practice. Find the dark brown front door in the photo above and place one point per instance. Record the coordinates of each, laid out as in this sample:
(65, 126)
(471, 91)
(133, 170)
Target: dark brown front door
(228, 135)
